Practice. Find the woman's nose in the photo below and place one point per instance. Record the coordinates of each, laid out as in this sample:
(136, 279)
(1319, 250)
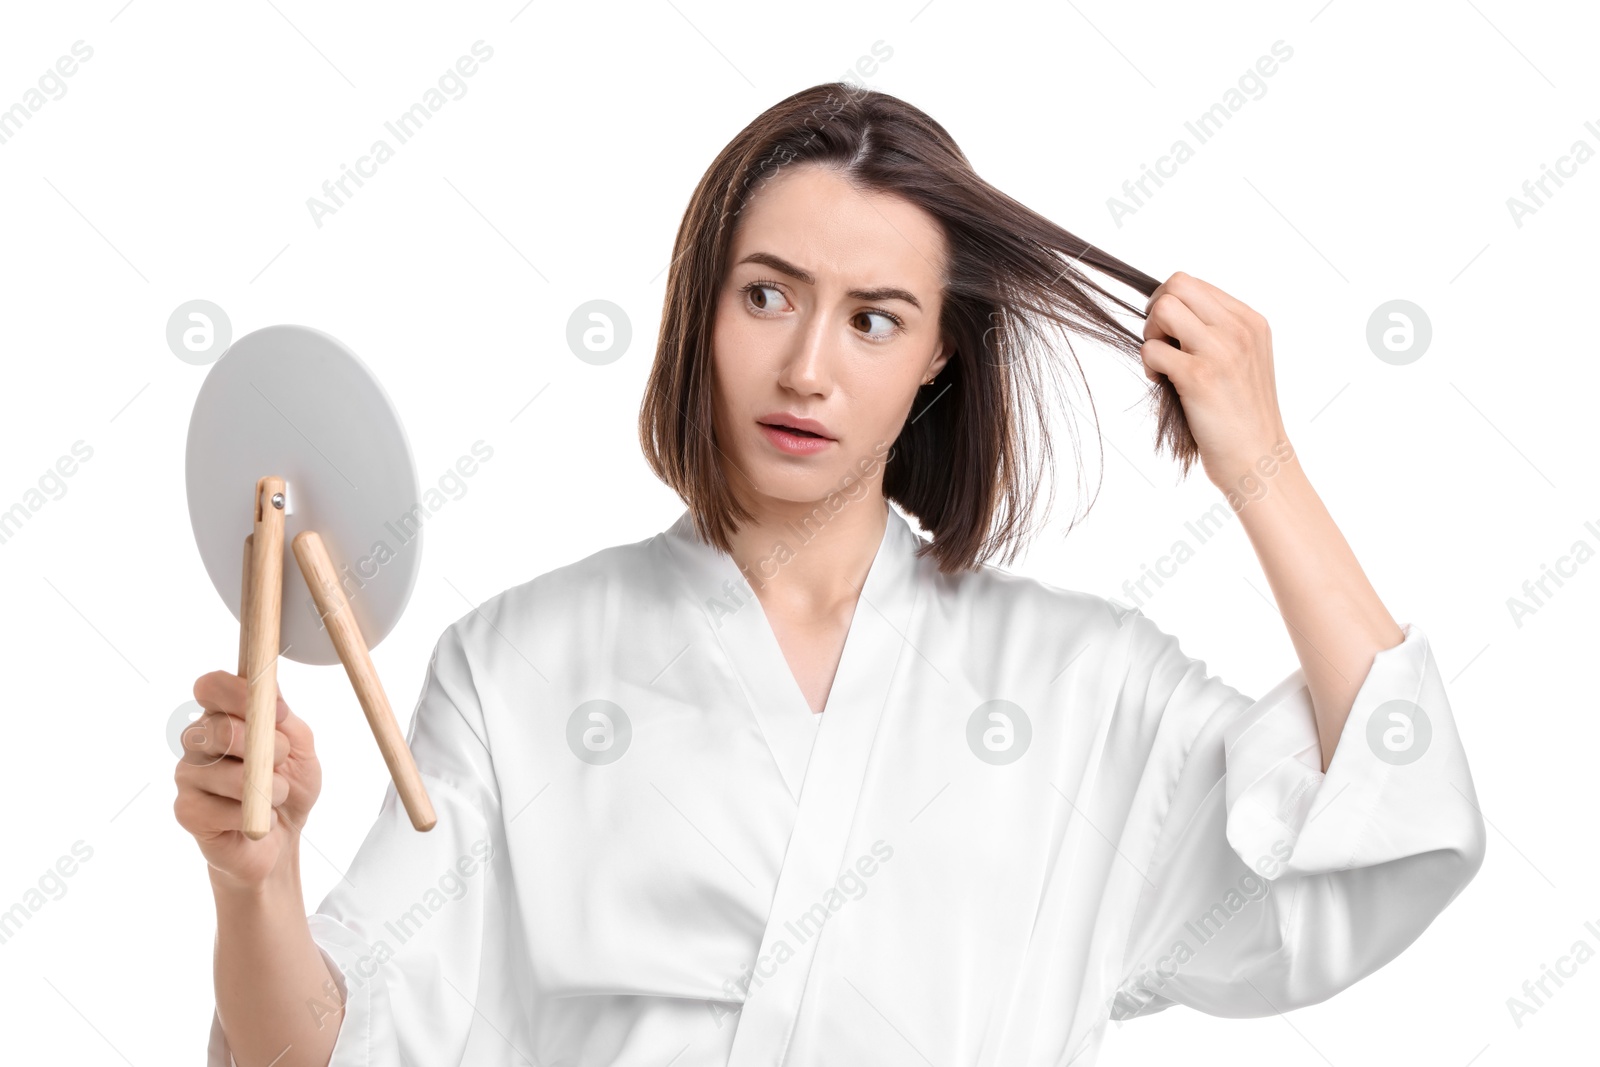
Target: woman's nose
(807, 366)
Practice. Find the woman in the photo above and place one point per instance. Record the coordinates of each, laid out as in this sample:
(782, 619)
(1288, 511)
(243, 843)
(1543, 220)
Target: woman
(787, 783)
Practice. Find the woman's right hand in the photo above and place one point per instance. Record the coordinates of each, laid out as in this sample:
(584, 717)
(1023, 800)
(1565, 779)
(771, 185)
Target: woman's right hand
(210, 779)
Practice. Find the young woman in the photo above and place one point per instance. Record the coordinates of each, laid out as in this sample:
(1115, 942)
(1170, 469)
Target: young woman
(789, 783)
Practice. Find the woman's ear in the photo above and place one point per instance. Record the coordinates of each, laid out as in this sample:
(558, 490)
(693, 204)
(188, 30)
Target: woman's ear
(941, 356)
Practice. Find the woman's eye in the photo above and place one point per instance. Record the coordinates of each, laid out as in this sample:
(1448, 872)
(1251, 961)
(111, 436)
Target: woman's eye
(755, 293)
(759, 299)
(889, 322)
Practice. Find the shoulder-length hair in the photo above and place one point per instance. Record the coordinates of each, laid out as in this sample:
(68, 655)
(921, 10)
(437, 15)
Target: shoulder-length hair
(963, 463)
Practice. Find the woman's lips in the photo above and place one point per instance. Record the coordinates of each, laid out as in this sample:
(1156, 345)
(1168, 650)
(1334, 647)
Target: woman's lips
(794, 442)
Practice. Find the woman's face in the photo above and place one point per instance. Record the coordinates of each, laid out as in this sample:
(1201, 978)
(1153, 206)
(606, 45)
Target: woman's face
(829, 313)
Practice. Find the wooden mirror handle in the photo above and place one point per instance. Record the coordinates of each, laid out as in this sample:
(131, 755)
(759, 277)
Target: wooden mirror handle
(332, 605)
(259, 618)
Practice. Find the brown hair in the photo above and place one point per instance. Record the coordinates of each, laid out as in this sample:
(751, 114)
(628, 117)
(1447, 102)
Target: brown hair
(962, 463)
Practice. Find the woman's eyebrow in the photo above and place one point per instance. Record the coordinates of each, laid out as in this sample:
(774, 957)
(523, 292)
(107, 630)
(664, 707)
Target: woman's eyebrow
(783, 266)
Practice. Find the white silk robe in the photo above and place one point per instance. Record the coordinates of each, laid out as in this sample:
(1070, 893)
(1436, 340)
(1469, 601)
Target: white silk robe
(700, 870)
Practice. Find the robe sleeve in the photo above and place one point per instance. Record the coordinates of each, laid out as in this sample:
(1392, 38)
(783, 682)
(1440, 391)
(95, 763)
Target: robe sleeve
(404, 930)
(1268, 884)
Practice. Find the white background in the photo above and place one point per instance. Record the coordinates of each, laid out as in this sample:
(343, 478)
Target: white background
(1376, 166)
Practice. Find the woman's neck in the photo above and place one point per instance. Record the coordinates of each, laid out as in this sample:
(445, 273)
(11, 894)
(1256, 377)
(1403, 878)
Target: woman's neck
(810, 557)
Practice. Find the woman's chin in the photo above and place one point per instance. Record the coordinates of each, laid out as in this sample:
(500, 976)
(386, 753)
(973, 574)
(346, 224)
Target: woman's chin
(783, 480)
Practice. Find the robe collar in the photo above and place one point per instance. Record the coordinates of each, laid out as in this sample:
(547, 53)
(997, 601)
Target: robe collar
(739, 625)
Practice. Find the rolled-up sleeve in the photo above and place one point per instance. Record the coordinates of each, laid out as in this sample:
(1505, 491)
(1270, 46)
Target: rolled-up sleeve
(405, 929)
(1270, 884)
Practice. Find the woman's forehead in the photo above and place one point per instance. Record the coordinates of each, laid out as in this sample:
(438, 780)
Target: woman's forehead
(837, 232)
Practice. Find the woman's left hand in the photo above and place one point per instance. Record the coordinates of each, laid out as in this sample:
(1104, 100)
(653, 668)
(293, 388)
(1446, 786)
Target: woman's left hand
(1223, 374)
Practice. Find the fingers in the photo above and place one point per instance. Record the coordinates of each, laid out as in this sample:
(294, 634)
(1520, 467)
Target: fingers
(220, 691)
(1208, 303)
(222, 781)
(1169, 317)
(1223, 299)
(226, 691)
(217, 735)
(1169, 324)
(1216, 308)
(1160, 358)
(297, 730)
(207, 815)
